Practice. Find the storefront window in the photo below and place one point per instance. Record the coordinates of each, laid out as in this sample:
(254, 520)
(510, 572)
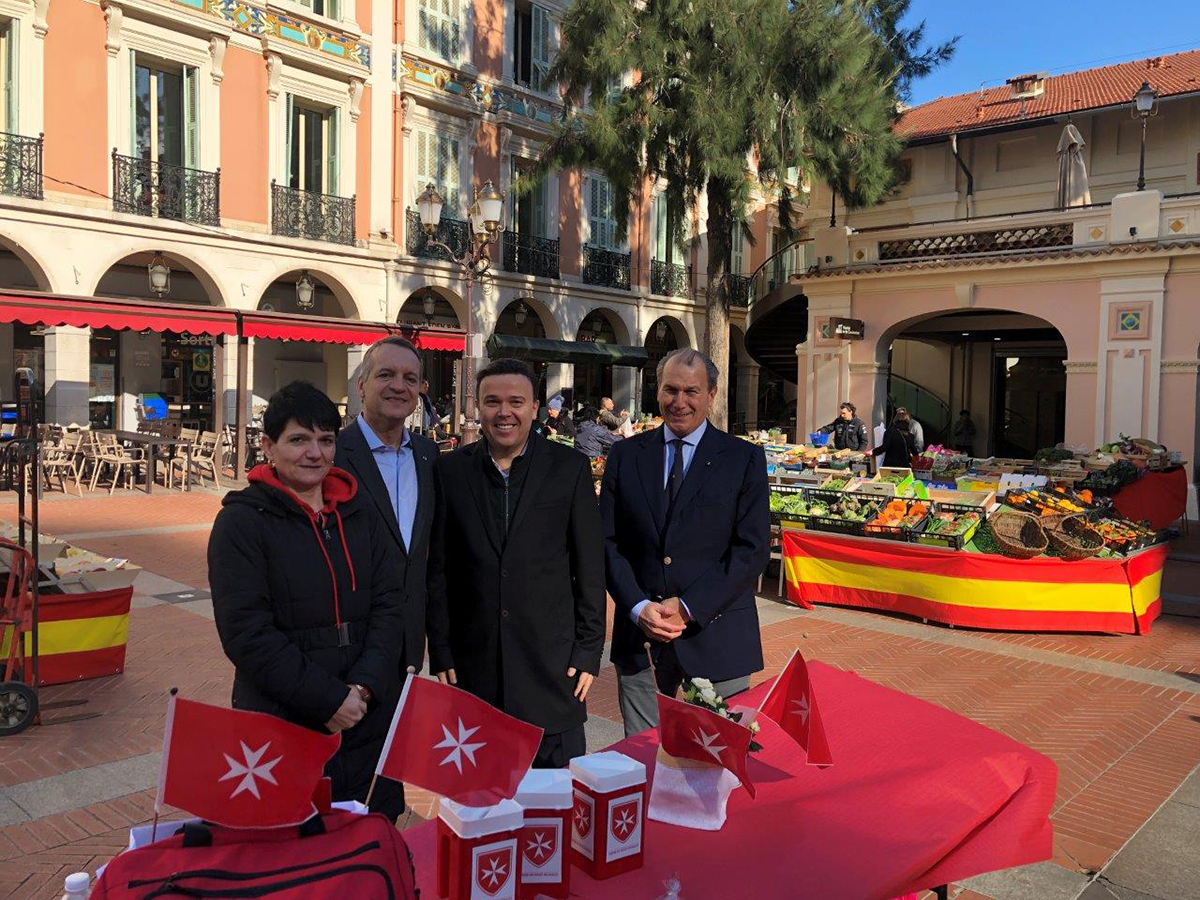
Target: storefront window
(187, 379)
(104, 359)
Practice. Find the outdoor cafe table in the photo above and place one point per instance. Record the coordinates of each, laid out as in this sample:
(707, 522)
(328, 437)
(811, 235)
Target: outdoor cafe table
(917, 797)
(149, 442)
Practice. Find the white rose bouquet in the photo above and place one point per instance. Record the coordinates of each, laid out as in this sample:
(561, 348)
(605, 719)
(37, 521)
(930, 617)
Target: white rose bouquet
(700, 692)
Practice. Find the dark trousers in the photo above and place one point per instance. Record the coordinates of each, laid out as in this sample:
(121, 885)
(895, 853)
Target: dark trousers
(557, 750)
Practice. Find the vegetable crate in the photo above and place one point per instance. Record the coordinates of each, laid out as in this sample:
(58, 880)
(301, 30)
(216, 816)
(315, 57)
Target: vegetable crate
(888, 525)
(953, 537)
(889, 483)
(781, 494)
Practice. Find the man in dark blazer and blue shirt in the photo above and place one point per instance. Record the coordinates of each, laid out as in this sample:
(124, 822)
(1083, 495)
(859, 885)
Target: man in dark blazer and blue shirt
(687, 533)
(394, 468)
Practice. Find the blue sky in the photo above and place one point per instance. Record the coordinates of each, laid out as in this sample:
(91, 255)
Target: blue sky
(1002, 39)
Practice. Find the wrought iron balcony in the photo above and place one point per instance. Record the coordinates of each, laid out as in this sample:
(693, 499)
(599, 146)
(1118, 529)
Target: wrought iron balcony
(308, 214)
(669, 279)
(739, 290)
(21, 165)
(606, 268)
(530, 255)
(148, 188)
(453, 232)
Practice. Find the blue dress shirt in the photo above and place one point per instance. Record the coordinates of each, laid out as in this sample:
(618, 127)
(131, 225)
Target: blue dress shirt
(398, 468)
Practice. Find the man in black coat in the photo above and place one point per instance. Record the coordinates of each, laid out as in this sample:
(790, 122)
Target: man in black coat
(394, 469)
(687, 534)
(516, 589)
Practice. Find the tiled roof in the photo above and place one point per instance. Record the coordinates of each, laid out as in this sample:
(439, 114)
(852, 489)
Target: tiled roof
(1072, 92)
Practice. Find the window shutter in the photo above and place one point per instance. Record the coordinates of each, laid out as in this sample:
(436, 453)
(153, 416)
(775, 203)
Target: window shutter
(454, 30)
(423, 177)
(191, 117)
(289, 111)
(333, 9)
(539, 211)
(12, 70)
(333, 131)
(133, 147)
(661, 235)
(542, 38)
(737, 252)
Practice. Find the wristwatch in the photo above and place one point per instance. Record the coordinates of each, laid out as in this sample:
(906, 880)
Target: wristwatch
(364, 693)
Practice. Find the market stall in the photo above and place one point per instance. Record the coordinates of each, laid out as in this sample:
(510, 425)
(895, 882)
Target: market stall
(1069, 541)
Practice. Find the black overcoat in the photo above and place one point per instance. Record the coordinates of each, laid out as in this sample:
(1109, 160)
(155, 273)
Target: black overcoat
(511, 616)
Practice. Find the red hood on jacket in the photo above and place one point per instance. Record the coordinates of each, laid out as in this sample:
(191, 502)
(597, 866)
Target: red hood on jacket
(338, 487)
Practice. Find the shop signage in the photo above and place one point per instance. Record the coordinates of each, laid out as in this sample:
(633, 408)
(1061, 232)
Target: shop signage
(847, 329)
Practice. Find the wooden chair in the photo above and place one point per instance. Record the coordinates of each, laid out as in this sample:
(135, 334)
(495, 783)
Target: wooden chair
(119, 458)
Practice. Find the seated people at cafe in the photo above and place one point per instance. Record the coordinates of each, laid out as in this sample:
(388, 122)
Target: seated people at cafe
(307, 595)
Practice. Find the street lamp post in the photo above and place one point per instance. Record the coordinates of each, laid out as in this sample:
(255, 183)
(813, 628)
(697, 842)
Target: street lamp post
(1144, 106)
(485, 216)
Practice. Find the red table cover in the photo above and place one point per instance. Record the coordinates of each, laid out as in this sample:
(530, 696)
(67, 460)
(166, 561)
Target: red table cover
(1160, 497)
(917, 797)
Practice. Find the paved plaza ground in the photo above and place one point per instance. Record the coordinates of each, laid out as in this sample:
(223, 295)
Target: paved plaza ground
(1120, 715)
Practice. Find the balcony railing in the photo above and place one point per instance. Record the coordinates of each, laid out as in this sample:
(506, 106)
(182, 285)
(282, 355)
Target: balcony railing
(606, 268)
(308, 214)
(739, 290)
(145, 187)
(1000, 240)
(21, 165)
(452, 232)
(669, 279)
(530, 255)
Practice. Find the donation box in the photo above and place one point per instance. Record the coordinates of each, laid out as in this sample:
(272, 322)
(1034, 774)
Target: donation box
(608, 815)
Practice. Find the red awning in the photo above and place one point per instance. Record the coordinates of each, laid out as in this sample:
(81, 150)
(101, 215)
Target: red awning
(285, 327)
(94, 312)
(434, 340)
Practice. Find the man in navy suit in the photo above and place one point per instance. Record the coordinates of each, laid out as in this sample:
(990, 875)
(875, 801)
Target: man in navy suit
(687, 533)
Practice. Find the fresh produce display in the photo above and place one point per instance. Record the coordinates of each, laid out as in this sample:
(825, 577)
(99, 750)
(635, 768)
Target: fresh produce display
(1112, 479)
(598, 466)
(1053, 454)
(898, 515)
(1123, 536)
(789, 505)
(949, 523)
(893, 478)
(1042, 502)
(836, 484)
(848, 509)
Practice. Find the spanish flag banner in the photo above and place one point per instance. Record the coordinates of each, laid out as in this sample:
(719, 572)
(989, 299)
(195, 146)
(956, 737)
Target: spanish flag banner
(976, 590)
(80, 636)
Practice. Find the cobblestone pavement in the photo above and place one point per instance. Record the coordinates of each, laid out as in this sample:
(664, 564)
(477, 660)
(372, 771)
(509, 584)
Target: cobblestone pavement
(1120, 715)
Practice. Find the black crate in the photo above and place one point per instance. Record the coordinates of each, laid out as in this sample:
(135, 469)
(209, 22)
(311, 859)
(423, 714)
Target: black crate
(953, 541)
(836, 526)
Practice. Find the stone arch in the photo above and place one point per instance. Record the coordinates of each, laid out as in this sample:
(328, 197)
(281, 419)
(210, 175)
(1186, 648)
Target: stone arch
(612, 317)
(209, 287)
(412, 309)
(347, 306)
(677, 329)
(37, 271)
(534, 307)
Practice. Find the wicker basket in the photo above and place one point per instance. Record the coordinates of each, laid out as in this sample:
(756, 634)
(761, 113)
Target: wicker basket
(1074, 538)
(1007, 529)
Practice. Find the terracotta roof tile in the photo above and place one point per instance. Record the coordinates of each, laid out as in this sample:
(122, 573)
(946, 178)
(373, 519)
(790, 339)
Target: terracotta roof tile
(1072, 92)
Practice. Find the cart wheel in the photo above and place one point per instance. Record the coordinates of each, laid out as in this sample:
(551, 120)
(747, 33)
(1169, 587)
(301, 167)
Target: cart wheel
(18, 707)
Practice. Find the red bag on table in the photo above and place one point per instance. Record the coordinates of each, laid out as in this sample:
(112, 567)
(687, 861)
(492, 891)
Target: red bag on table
(339, 855)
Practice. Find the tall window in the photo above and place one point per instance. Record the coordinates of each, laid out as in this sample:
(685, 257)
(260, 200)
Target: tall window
(165, 113)
(737, 249)
(530, 213)
(437, 164)
(666, 224)
(8, 76)
(602, 219)
(313, 141)
(329, 8)
(440, 27)
(785, 262)
(533, 46)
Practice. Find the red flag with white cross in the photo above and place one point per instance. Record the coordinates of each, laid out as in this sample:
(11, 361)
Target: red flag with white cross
(692, 732)
(240, 769)
(792, 705)
(450, 742)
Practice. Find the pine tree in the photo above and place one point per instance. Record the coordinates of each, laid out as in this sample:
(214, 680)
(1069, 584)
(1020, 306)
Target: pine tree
(725, 92)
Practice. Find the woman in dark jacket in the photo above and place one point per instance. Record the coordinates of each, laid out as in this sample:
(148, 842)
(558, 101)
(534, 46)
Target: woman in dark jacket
(848, 430)
(307, 595)
(899, 446)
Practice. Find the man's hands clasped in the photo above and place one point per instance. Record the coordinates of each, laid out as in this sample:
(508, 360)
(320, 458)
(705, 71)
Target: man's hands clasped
(350, 713)
(663, 621)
